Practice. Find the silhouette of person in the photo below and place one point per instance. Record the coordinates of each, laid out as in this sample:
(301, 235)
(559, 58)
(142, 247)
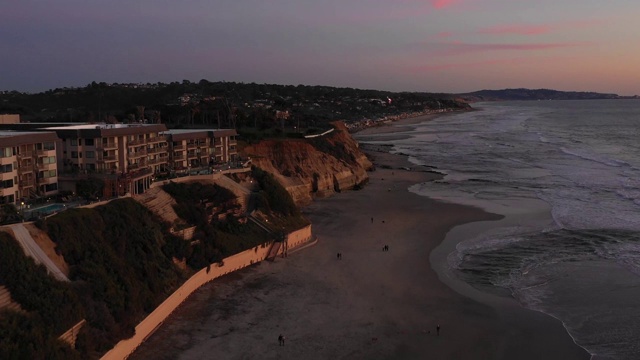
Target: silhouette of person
(438, 330)
(281, 340)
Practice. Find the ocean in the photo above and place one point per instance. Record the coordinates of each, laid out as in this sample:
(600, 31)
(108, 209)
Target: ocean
(582, 159)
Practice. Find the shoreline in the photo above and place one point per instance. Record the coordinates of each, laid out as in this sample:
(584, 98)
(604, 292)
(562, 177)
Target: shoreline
(370, 304)
(513, 213)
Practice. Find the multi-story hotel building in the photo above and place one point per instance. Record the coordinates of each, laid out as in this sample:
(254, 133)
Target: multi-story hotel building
(28, 161)
(126, 155)
(189, 148)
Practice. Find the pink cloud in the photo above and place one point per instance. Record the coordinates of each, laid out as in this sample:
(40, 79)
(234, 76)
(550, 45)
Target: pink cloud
(517, 29)
(526, 29)
(458, 48)
(441, 4)
(444, 34)
(447, 66)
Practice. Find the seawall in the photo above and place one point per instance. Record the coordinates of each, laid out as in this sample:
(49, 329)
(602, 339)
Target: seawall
(232, 263)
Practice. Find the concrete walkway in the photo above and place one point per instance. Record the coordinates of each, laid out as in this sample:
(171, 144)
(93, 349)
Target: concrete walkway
(32, 249)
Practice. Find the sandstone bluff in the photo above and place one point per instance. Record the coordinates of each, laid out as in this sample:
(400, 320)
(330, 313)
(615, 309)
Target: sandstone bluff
(316, 167)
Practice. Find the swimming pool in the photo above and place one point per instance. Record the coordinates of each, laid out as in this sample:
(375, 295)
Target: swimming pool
(45, 210)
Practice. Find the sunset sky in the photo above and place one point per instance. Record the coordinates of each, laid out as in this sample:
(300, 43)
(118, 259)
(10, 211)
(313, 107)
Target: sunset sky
(399, 45)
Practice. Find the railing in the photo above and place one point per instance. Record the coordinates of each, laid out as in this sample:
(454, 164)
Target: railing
(107, 146)
(138, 154)
(26, 183)
(178, 158)
(25, 154)
(48, 180)
(45, 152)
(156, 161)
(178, 147)
(136, 142)
(156, 139)
(107, 158)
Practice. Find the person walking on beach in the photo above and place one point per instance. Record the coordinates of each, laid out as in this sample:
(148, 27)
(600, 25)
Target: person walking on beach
(438, 330)
(281, 340)
(372, 220)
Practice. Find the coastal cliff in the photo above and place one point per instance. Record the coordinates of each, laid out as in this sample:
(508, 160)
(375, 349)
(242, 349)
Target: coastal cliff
(316, 167)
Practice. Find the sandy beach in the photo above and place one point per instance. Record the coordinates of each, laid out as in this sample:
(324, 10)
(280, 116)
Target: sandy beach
(371, 304)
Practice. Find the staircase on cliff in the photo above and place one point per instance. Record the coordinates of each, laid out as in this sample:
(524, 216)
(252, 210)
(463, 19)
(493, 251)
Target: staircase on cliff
(241, 192)
(6, 302)
(159, 202)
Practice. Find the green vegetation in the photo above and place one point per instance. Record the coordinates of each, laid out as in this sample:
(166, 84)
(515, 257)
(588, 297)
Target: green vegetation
(273, 195)
(120, 260)
(272, 198)
(244, 106)
(115, 258)
(336, 149)
(9, 214)
(52, 307)
(219, 233)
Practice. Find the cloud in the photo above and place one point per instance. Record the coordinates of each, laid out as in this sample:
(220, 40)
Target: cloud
(447, 66)
(528, 29)
(444, 34)
(516, 29)
(441, 4)
(459, 48)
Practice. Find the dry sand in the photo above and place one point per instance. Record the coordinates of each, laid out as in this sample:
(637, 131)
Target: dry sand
(369, 305)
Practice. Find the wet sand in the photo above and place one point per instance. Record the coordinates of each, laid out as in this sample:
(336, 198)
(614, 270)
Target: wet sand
(371, 304)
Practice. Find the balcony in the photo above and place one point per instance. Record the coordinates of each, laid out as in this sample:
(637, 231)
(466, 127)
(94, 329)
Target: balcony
(137, 154)
(155, 140)
(107, 146)
(178, 158)
(136, 142)
(156, 150)
(178, 147)
(106, 159)
(156, 161)
(48, 180)
(26, 183)
(25, 154)
(42, 166)
(51, 152)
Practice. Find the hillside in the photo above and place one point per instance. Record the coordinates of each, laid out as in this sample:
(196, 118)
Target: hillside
(123, 260)
(218, 104)
(537, 94)
(316, 167)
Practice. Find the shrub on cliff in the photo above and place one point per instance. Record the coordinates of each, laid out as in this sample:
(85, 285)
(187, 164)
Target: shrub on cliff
(278, 198)
(114, 254)
(334, 148)
(199, 204)
(52, 308)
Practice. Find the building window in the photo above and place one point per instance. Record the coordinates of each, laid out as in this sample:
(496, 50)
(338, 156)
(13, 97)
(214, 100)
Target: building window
(7, 184)
(90, 154)
(6, 168)
(89, 142)
(6, 152)
(49, 160)
(47, 174)
(74, 154)
(46, 146)
(74, 142)
(51, 187)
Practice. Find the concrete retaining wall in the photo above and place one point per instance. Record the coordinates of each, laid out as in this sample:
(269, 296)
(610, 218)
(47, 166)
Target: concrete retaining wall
(233, 263)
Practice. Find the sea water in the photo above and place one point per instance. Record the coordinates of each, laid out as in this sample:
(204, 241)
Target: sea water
(583, 159)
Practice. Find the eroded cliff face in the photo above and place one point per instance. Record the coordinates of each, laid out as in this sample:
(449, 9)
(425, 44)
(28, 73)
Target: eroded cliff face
(315, 167)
